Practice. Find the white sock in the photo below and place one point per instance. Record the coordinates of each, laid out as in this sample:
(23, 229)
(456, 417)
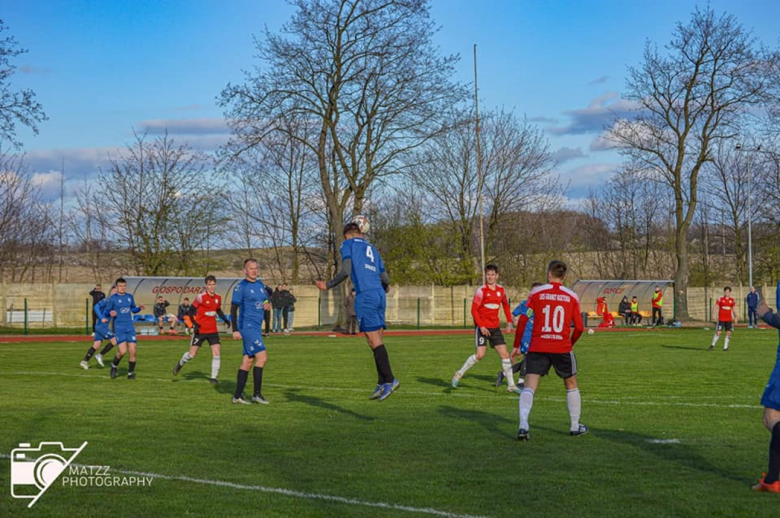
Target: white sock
(185, 358)
(470, 362)
(715, 339)
(526, 403)
(506, 366)
(726, 344)
(574, 403)
(214, 367)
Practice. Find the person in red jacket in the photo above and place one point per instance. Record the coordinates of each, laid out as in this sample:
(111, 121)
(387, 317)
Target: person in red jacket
(658, 302)
(555, 309)
(487, 328)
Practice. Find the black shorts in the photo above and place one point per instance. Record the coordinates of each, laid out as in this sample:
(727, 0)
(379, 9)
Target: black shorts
(725, 326)
(565, 364)
(197, 340)
(495, 338)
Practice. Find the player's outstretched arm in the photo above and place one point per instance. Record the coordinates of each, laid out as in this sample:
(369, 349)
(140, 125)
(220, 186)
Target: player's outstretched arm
(765, 312)
(343, 275)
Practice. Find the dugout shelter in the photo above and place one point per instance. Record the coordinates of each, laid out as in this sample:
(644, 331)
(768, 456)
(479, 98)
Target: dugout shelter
(613, 292)
(175, 289)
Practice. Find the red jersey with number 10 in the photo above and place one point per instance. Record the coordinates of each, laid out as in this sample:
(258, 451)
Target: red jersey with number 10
(555, 307)
(725, 305)
(485, 306)
(206, 316)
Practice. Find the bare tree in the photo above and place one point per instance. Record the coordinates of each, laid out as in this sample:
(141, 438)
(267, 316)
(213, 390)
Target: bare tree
(688, 99)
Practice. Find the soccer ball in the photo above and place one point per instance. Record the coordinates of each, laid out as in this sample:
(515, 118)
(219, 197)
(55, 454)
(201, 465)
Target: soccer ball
(590, 331)
(362, 222)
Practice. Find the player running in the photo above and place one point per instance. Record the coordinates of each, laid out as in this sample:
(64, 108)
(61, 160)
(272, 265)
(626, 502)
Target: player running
(487, 327)
(101, 332)
(361, 262)
(525, 341)
(727, 317)
(121, 306)
(247, 309)
(555, 308)
(770, 482)
(203, 314)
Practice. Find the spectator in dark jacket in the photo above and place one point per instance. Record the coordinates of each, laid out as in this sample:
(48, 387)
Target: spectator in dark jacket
(278, 302)
(162, 315)
(625, 310)
(291, 300)
(184, 315)
(752, 306)
(349, 305)
(97, 295)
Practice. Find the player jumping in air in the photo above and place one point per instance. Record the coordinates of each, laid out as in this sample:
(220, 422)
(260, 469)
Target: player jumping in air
(247, 309)
(121, 306)
(203, 314)
(771, 401)
(101, 332)
(727, 317)
(555, 308)
(361, 262)
(487, 327)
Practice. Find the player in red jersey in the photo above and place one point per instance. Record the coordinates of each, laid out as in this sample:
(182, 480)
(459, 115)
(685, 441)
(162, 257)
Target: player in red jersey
(487, 327)
(555, 308)
(727, 317)
(203, 313)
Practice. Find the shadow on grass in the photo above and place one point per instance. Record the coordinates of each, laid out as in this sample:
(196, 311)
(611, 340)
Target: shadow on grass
(295, 396)
(195, 375)
(685, 348)
(673, 453)
(491, 422)
(447, 385)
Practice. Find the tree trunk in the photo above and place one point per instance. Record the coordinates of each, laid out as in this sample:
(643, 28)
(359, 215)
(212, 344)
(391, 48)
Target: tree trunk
(682, 273)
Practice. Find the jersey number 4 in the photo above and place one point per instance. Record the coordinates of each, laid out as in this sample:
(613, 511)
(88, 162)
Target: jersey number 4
(370, 254)
(557, 319)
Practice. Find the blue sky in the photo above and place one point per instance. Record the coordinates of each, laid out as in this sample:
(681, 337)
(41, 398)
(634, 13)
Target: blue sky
(103, 68)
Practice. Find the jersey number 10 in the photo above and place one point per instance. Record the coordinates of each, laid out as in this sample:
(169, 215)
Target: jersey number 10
(557, 319)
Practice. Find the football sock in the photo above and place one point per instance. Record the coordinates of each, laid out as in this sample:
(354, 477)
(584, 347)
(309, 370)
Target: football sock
(89, 354)
(116, 361)
(526, 403)
(241, 383)
(257, 373)
(215, 367)
(382, 361)
(726, 343)
(773, 472)
(185, 358)
(506, 366)
(517, 367)
(574, 403)
(131, 369)
(715, 339)
(470, 362)
(106, 349)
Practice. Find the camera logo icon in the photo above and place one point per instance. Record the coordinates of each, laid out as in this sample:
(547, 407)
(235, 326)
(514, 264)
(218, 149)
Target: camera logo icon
(34, 469)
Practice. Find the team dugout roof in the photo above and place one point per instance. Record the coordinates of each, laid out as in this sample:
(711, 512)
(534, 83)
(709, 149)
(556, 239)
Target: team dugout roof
(614, 291)
(175, 289)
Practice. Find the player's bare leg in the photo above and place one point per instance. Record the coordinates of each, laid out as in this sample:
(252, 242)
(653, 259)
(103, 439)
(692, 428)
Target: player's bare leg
(506, 366)
(770, 481)
(386, 382)
(121, 351)
(186, 357)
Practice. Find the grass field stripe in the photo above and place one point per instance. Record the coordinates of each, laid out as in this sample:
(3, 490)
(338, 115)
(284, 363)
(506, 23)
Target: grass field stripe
(287, 492)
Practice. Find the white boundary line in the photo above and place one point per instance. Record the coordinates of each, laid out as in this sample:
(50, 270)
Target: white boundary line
(288, 492)
(629, 401)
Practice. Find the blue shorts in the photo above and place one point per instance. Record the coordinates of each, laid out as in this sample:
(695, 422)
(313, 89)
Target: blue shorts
(103, 332)
(125, 335)
(370, 309)
(771, 397)
(253, 341)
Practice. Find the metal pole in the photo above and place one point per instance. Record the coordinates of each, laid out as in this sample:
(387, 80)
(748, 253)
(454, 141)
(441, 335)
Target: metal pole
(465, 326)
(750, 223)
(86, 316)
(418, 313)
(319, 312)
(25, 316)
(479, 172)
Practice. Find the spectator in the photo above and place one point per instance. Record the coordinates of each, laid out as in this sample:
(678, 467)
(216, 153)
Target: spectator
(97, 295)
(349, 305)
(752, 305)
(658, 302)
(636, 318)
(183, 315)
(291, 300)
(162, 315)
(286, 308)
(625, 310)
(269, 292)
(278, 301)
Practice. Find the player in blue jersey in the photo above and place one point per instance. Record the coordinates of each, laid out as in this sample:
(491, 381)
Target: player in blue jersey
(121, 306)
(102, 332)
(770, 482)
(521, 347)
(247, 311)
(361, 262)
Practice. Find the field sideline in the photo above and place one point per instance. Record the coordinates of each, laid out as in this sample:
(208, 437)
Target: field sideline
(675, 431)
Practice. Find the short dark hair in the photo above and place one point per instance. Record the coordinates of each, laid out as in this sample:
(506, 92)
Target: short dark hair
(185, 298)
(250, 260)
(632, 298)
(727, 288)
(491, 267)
(351, 227)
(557, 269)
(210, 278)
(120, 280)
(536, 285)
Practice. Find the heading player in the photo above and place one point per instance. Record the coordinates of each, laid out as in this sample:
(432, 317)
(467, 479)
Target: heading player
(555, 308)
(121, 306)
(203, 315)
(727, 317)
(101, 332)
(247, 310)
(488, 299)
(361, 262)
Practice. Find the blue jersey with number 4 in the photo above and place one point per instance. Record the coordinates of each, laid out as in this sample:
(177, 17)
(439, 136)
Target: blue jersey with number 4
(367, 266)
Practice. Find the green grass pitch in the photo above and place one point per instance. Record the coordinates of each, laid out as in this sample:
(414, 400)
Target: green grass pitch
(675, 431)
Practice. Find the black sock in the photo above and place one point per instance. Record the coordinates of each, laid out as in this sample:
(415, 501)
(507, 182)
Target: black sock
(516, 367)
(257, 373)
(241, 383)
(89, 354)
(106, 349)
(116, 361)
(132, 368)
(383, 364)
(773, 472)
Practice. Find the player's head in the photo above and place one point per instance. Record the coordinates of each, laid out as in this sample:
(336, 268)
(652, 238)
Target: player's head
(657, 288)
(556, 271)
(186, 301)
(112, 291)
(97, 287)
(250, 269)
(351, 230)
(536, 285)
(633, 299)
(284, 286)
(625, 298)
(121, 285)
(727, 291)
(491, 273)
(752, 289)
(211, 283)
(160, 299)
